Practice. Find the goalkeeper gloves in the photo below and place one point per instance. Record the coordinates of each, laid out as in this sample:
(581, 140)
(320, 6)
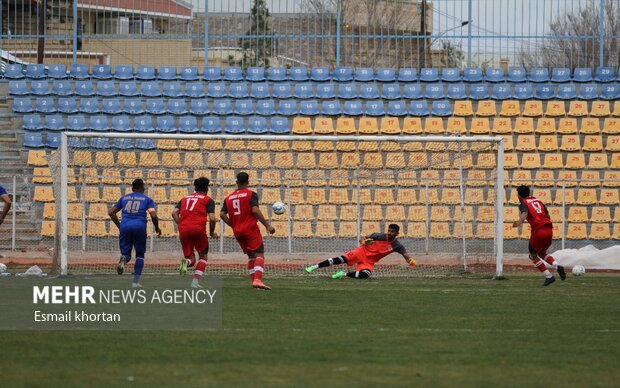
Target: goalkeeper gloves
(412, 263)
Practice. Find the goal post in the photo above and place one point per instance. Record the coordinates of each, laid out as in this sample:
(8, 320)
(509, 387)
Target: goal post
(446, 193)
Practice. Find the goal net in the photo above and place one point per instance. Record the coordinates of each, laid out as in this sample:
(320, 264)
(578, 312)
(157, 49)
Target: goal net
(445, 193)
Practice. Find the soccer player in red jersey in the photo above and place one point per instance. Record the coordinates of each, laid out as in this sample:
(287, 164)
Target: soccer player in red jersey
(240, 211)
(372, 249)
(535, 212)
(191, 215)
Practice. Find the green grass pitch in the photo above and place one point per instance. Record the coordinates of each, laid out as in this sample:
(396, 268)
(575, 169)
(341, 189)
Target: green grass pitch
(461, 332)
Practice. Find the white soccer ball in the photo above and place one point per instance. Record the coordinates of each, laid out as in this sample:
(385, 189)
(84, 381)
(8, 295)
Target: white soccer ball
(579, 270)
(2, 267)
(278, 208)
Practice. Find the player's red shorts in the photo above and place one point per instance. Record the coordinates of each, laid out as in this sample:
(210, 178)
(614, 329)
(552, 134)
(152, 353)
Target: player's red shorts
(358, 258)
(540, 240)
(194, 239)
(249, 241)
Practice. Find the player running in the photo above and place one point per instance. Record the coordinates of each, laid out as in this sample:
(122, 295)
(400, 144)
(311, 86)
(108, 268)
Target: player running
(4, 197)
(372, 249)
(191, 215)
(535, 212)
(132, 227)
(240, 211)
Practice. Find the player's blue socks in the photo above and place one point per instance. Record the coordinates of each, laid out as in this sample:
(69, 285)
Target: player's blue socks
(137, 269)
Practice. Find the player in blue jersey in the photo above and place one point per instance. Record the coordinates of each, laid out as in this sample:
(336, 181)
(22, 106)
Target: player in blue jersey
(134, 207)
(4, 197)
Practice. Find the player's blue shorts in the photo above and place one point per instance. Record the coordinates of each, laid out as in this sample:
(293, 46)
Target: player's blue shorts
(132, 237)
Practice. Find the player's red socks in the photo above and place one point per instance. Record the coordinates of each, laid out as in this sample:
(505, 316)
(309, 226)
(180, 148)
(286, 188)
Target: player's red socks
(190, 262)
(251, 268)
(200, 268)
(259, 263)
(549, 259)
(540, 265)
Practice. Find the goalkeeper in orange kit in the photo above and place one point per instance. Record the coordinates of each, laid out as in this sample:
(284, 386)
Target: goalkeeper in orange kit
(373, 248)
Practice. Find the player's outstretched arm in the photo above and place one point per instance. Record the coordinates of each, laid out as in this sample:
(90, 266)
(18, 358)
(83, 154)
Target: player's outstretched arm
(409, 260)
(7, 206)
(261, 218)
(155, 220)
(113, 213)
(522, 218)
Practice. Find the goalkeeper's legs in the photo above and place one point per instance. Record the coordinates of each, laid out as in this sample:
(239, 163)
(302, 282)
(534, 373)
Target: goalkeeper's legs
(363, 274)
(327, 263)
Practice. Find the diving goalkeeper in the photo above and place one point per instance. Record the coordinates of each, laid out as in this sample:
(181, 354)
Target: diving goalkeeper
(372, 249)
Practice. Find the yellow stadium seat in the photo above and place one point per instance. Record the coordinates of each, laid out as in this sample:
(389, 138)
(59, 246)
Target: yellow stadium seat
(82, 158)
(189, 145)
(524, 125)
(556, 214)
(167, 144)
(96, 229)
(511, 214)
(235, 145)
(255, 145)
(543, 194)
(480, 126)
(158, 194)
(323, 126)
(586, 196)
(338, 196)
(178, 193)
(416, 230)
(296, 196)
(545, 125)
(452, 178)
(456, 125)
(49, 211)
(179, 177)
(570, 143)
(613, 143)
(373, 160)
(599, 232)
(567, 178)
(390, 126)
(407, 178)
(261, 160)
(548, 143)
(315, 178)
(567, 126)
(594, 143)
(521, 177)
(600, 109)
(510, 233)
(406, 196)
(96, 211)
(235, 160)
(151, 159)
(615, 160)
(323, 146)
(111, 176)
(164, 211)
(370, 227)
(510, 108)
(553, 161)
(390, 146)
(600, 214)
(440, 160)
(104, 158)
(38, 158)
(75, 211)
(72, 195)
(463, 108)
(616, 111)
(484, 230)
(270, 195)
(316, 196)
(609, 197)
(430, 178)
(525, 143)
(533, 108)
(167, 229)
(413, 146)
(74, 228)
(611, 179)
(590, 126)
(590, 178)
(566, 196)
(279, 146)
(88, 175)
(384, 196)
(48, 228)
(395, 213)
(555, 109)
(440, 230)
(412, 126)
(417, 159)
(41, 175)
(126, 159)
(111, 194)
(372, 213)
(395, 161)
(213, 145)
(475, 196)
(430, 196)
(576, 231)
(485, 214)
(350, 160)
(577, 214)
(611, 126)
(440, 213)
(576, 161)
(384, 178)
(511, 198)
(156, 177)
(365, 196)
(43, 194)
(348, 212)
(194, 159)
(325, 229)
(434, 126)
(578, 108)
(510, 161)
(339, 178)
(283, 160)
(486, 108)
(302, 126)
(416, 213)
(347, 229)
(530, 160)
(345, 126)
(368, 146)
(306, 212)
(616, 232)
(543, 178)
(368, 126)
(502, 126)
(465, 213)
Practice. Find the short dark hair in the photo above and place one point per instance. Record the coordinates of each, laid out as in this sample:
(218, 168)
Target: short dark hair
(137, 184)
(201, 184)
(394, 226)
(523, 191)
(243, 178)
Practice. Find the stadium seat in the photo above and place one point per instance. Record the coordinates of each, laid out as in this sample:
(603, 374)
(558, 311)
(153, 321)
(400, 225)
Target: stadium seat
(56, 71)
(218, 90)
(582, 75)
(287, 108)
(374, 108)
(176, 106)
(79, 71)
(299, 73)
(601, 214)
(523, 125)
(602, 74)
(456, 92)
(279, 125)
(549, 143)
(282, 91)
(569, 143)
(257, 125)
(211, 125)
(99, 123)
(32, 122)
(274, 73)
(486, 108)
(501, 92)
(344, 126)
(121, 124)
(412, 91)
(303, 91)
(52, 140)
(123, 72)
(369, 91)
(567, 92)
(600, 109)
(222, 107)
(609, 197)
(211, 74)
(364, 74)
(188, 73)
(590, 126)
(567, 126)
(14, 71)
(575, 161)
(259, 90)
(518, 74)
(155, 106)
(353, 108)
(480, 126)
(45, 105)
(390, 91)
(441, 108)
(396, 108)
(234, 125)
(523, 92)
(330, 108)
(544, 92)
(385, 74)
(610, 92)
(343, 74)
(502, 126)
(613, 143)
(538, 75)
(172, 89)
(150, 89)
(188, 124)
(347, 91)
(34, 140)
(18, 88)
(106, 89)
(479, 92)
(434, 126)
(429, 75)
(200, 107)
(555, 109)
(616, 112)
(320, 74)
(590, 178)
(545, 126)
(102, 72)
(167, 73)
(588, 92)
(368, 126)
(533, 108)
(242, 107)
(67, 105)
(325, 91)
(133, 106)
(494, 75)
(111, 106)
(194, 90)
(434, 91)
(145, 73)
(560, 75)
(450, 74)
(145, 124)
(309, 108)
(84, 88)
(37, 88)
(510, 108)
(323, 126)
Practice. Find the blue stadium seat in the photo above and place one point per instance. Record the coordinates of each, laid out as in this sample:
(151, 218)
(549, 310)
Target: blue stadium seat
(494, 75)
(255, 74)
(189, 73)
(279, 126)
(610, 92)
(303, 90)
(567, 92)
(128, 89)
(39, 88)
(364, 74)
(257, 125)
(150, 89)
(79, 71)
(309, 108)
(244, 107)
(276, 74)
(479, 92)
(538, 75)
(347, 91)
(14, 71)
(560, 75)
(450, 74)
(121, 143)
(234, 125)
(144, 123)
(419, 108)
(390, 91)
(33, 140)
(211, 73)
(67, 105)
(133, 106)
(35, 71)
(84, 88)
(54, 123)
(588, 92)
(163, 123)
(457, 92)
(211, 125)
(76, 123)
(407, 74)
(89, 105)
(106, 88)
(167, 73)
(434, 91)
(260, 90)
(22, 105)
(194, 90)
(176, 106)
(343, 74)
(101, 143)
(501, 91)
(199, 107)
(412, 91)
(330, 108)
(472, 74)
(325, 91)
(155, 106)
(99, 123)
(57, 71)
(18, 88)
(353, 108)
(32, 123)
(216, 90)
(385, 74)
(188, 124)
(52, 140)
(222, 107)
(582, 75)
(266, 108)
(145, 144)
(61, 88)
(121, 124)
(523, 91)
(429, 74)
(441, 108)
(123, 72)
(145, 73)
(172, 89)
(238, 90)
(369, 91)
(544, 92)
(516, 74)
(320, 74)
(79, 142)
(102, 72)
(233, 74)
(111, 106)
(602, 74)
(282, 90)
(397, 108)
(374, 108)
(45, 105)
(298, 74)
(287, 107)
